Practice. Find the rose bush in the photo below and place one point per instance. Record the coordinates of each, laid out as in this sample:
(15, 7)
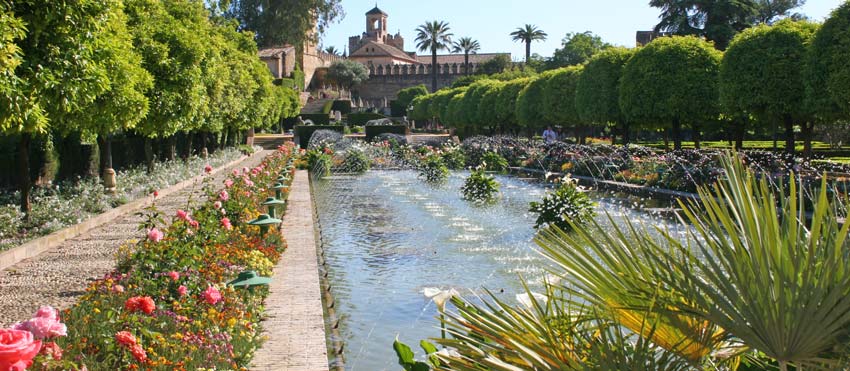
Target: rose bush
(167, 306)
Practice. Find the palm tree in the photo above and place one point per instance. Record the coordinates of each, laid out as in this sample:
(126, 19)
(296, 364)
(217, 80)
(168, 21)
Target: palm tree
(528, 34)
(332, 50)
(433, 36)
(467, 46)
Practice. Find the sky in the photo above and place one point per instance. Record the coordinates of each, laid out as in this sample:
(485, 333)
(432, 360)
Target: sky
(490, 22)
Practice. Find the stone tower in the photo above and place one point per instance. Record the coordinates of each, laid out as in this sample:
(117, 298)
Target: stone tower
(376, 31)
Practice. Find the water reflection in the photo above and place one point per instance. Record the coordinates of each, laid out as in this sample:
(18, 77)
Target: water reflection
(388, 235)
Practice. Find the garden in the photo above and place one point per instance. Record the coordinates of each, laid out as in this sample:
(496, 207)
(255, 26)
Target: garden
(188, 296)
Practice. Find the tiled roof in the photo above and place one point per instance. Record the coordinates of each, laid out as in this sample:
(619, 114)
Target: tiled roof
(376, 11)
(274, 52)
(381, 50)
(458, 58)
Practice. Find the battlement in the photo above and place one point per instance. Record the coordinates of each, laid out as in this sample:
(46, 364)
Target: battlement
(420, 69)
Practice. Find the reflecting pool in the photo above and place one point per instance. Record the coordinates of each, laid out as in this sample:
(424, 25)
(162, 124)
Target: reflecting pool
(387, 235)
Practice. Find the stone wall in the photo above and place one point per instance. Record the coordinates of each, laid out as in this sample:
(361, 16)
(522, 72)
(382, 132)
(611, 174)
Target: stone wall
(311, 62)
(385, 81)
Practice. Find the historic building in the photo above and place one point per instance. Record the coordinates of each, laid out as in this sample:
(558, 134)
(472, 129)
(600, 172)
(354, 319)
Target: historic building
(391, 68)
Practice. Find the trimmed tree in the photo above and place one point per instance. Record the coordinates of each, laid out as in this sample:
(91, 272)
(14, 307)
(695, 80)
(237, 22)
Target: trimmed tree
(559, 97)
(761, 75)
(486, 112)
(348, 73)
(828, 72)
(598, 89)
(506, 104)
(407, 95)
(671, 82)
(529, 105)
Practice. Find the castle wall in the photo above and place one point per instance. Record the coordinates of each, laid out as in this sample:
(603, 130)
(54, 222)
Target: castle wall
(385, 81)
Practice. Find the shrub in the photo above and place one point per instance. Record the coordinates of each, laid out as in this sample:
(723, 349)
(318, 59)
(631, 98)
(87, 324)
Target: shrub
(453, 157)
(493, 161)
(480, 187)
(433, 169)
(355, 161)
(568, 204)
(319, 161)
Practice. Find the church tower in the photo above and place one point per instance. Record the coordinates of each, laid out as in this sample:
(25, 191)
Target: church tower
(376, 25)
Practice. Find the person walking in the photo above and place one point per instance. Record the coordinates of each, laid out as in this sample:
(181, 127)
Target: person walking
(549, 135)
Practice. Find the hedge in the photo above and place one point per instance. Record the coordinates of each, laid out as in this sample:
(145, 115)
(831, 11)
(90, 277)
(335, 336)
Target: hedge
(360, 119)
(343, 106)
(375, 130)
(304, 132)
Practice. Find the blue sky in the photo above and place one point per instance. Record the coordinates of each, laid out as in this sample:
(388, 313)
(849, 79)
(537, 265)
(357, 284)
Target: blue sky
(491, 21)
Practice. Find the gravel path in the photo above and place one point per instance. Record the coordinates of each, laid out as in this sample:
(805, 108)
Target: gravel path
(57, 277)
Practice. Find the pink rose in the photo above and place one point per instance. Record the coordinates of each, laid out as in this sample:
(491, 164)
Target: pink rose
(217, 205)
(212, 295)
(224, 196)
(235, 172)
(225, 222)
(125, 338)
(44, 325)
(249, 183)
(208, 169)
(182, 290)
(244, 170)
(17, 349)
(194, 224)
(182, 215)
(174, 275)
(228, 183)
(139, 353)
(155, 235)
(118, 289)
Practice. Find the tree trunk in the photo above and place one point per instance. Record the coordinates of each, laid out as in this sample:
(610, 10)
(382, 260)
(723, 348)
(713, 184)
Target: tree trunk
(24, 184)
(222, 141)
(696, 135)
(775, 144)
(104, 144)
(789, 134)
(149, 154)
(740, 129)
(204, 150)
(433, 70)
(666, 139)
(527, 52)
(677, 135)
(625, 133)
(466, 64)
(190, 138)
(808, 130)
(171, 150)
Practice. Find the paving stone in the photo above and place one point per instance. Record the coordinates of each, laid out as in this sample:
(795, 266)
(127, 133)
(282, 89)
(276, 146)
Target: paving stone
(294, 323)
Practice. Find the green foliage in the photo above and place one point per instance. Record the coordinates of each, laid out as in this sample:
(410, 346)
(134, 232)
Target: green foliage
(433, 169)
(432, 37)
(467, 80)
(492, 161)
(568, 205)
(319, 161)
(406, 96)
(406, 356)
(598, 87)
(717, 21)
(828, 83)
(279, 22)
(530, 103)
(355, 161)
(486, 113)
(480, 187)
(506, 104)
(298, 78)
(348, 73)
(672, 81)
(472, 100)
(577, 48)
(453, 157)
(454, 113)
(559, 96)
(761, 71)
(497, 64)
(528, 34)
(421, 107)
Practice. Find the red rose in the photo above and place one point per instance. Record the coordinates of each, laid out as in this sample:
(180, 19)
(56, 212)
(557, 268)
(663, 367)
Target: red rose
(125, 338)
(139, 353)
(131, 304)
(17, 348)
(147, 305)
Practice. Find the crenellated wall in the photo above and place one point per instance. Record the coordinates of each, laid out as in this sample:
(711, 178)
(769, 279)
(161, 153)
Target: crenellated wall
(385, 81)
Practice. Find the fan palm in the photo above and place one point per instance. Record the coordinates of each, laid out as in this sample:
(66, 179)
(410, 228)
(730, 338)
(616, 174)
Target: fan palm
(433, 36)
(467, 46)
(528, 34)
(332, 50)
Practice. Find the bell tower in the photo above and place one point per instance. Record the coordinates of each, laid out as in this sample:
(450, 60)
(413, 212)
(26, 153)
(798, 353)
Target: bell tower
(376, 25)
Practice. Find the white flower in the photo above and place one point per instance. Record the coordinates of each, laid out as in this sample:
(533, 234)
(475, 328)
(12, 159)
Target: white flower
(525, 299)
(440, 297)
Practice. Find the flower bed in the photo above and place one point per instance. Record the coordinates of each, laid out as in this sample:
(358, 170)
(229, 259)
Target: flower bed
(167, 305)
(69, 203)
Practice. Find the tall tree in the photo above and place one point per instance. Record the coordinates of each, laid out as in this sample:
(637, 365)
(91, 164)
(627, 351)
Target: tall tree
(577, 48)
(467, 46)
(716, 20)
(559, 96)
(528, 34)
(278, 22)
(761, 75)
(61, 73)
(348, 73)
(770, 11)
(433, 36)
(332, 50)
(672, 81)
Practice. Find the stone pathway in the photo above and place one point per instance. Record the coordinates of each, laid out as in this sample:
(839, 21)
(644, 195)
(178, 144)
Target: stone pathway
(60, 275)
(295, 324)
